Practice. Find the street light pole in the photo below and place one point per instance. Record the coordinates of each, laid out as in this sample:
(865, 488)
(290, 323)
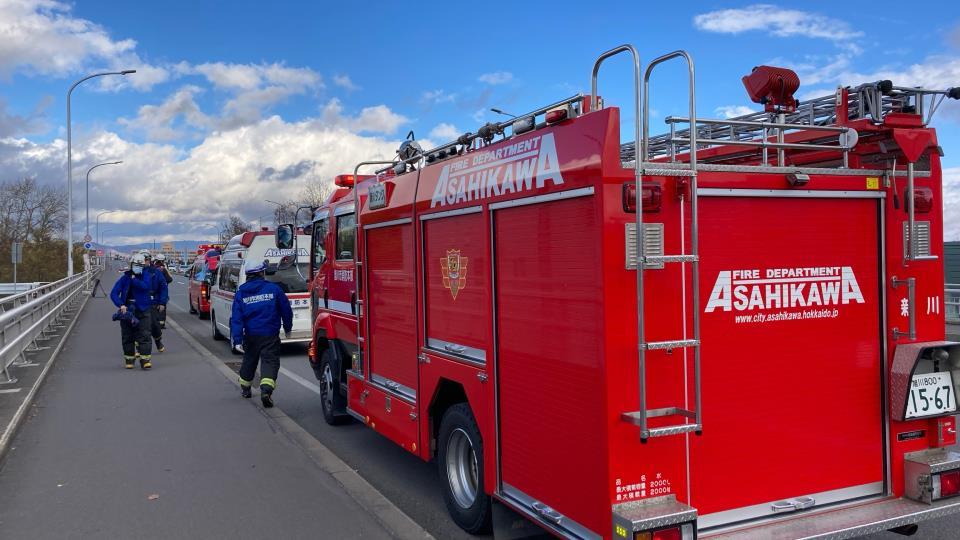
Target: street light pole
(70, 164)
(100, 239)
(98, 222)
(88, 188)
(282, 207)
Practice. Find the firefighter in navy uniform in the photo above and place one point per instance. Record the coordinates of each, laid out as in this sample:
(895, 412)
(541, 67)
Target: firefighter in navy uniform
(163, 280)
(259, 309)
(132, 293)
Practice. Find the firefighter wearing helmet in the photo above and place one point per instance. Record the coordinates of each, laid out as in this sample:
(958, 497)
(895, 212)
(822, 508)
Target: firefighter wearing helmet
(259, 309)
(132, 293)
(163, 279)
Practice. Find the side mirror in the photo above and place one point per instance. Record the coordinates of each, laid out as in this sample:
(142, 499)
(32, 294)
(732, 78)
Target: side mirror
(284, 237)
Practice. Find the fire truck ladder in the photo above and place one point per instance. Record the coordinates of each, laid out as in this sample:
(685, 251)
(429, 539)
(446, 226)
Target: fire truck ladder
(642, 417)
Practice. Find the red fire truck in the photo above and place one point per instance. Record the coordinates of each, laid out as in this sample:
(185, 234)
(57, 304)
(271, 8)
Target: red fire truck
(732, 330)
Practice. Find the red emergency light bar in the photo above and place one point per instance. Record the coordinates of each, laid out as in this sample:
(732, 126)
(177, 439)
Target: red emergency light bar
(349, 180)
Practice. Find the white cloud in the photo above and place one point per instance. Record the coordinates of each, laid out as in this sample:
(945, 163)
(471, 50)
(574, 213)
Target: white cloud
(164, 192)
(157, 121)
(479, 115)
(344, 81)
(43, 37)
(496, 77)
(775, 20)
(731, 111)
(951, 204)
(437, 96)
(445, 132)
(376, 119)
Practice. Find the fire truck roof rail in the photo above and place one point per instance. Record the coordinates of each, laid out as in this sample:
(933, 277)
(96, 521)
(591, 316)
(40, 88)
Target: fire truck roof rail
(766, 130)
(486, 133)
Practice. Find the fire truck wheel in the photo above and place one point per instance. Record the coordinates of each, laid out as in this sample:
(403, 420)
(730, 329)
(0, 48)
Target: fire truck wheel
(460, 460)
(217, 336)
(331, 399)
(193, 310)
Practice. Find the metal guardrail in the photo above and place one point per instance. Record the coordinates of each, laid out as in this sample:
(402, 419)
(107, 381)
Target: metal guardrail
(951, 302)
(15, 288)
(27, 317)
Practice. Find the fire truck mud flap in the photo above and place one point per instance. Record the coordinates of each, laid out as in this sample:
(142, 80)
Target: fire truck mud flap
(843, 523)
(792, 351)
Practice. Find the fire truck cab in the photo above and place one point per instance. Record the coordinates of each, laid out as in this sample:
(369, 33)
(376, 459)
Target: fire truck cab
(731, 330)
(333, 295)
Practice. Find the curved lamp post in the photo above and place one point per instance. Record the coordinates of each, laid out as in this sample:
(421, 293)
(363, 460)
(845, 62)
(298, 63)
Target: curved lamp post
(70, 164)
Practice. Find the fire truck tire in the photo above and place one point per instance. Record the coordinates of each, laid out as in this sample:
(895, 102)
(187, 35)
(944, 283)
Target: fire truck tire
(460, 463)
(193, 310)
(331, 399)
(217, 336)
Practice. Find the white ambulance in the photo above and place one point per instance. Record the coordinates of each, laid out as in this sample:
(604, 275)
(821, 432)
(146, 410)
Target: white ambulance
(252, 248)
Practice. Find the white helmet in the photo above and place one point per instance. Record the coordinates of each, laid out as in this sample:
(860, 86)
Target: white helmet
(144, 253)
(160, 257)
(138, 259)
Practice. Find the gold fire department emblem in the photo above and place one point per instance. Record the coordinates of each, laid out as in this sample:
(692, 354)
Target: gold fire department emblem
(454, 269)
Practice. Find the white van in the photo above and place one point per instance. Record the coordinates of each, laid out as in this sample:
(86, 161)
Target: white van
(252, 248)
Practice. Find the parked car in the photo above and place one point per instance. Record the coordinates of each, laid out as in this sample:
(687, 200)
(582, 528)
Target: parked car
(200, 277)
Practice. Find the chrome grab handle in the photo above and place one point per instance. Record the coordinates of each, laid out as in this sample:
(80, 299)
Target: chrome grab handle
(911, 284)
(800, 503)
(458, 349)
(547, 513)
(782, 506)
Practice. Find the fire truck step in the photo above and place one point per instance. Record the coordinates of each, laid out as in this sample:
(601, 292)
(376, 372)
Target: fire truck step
(654, 259)
(668, 172)
(666, 431)
(675, 344)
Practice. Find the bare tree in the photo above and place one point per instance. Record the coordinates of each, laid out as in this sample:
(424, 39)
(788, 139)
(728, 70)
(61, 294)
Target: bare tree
(233, 226)
(316, 191)
(33, 215)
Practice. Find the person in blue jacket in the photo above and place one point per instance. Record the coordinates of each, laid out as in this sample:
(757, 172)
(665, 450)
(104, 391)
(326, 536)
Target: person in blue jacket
(132, 292)
(259, 308)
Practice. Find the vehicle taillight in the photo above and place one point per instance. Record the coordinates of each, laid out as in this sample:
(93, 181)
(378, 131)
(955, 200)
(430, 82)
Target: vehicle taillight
(949, 483)
(651, 193)
(204, 290)
(922, 200)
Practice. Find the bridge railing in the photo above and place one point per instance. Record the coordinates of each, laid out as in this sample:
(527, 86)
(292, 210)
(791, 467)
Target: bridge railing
(951, 302)
(28, 316)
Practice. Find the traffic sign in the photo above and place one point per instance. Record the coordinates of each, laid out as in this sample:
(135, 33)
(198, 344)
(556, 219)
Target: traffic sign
(99, 253)
(87, 238)
(87, 245)
(16, 253)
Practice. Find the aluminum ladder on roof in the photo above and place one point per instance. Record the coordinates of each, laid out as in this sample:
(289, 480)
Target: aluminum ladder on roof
(642, 417)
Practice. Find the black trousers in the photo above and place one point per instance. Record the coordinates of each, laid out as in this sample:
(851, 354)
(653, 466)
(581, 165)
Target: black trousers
(157, 321)
(264, 350)
(137, 338)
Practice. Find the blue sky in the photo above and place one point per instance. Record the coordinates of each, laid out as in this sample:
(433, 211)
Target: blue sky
(235, 102)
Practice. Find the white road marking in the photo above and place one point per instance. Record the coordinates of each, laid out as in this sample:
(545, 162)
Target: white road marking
(9, 391)
(178, 307)
(301, 381)
(181, 283)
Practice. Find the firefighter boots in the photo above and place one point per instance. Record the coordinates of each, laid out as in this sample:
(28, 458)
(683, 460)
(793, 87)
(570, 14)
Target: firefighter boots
(160, 347)
(145, 362)
(265, 396)
(245, 392)
(129, 361)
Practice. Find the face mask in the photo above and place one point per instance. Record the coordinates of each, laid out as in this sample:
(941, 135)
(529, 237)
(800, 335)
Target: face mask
(138, 270)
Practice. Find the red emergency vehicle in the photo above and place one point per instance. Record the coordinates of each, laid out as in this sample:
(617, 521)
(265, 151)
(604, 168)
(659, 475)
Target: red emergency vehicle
(200, 279)
(333, 295)
(776, 369)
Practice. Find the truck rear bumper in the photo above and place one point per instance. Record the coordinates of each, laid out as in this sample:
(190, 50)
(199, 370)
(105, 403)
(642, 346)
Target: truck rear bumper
(842, 523)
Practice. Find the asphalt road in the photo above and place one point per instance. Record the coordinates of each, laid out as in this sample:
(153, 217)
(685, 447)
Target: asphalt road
(404, 479)
(407, 481)
(168, 453)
